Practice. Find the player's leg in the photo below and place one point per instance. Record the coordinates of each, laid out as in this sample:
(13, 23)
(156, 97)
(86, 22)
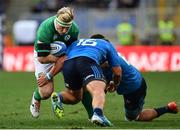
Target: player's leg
(67, 97)
(95, 84)
(86, 99)
(71, 96)
(73, 83)
(96, 88)
(40, 93)
(35, 103)
(135, 111)
(87, 103)
(133, 102)
(150, 114)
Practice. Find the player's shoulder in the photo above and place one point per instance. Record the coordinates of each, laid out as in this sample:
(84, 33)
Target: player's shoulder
(74, 27)
(102, 42)
(75, 24)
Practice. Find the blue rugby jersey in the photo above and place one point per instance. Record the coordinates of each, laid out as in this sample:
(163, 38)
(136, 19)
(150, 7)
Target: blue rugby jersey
(131, 77)
(97, 49)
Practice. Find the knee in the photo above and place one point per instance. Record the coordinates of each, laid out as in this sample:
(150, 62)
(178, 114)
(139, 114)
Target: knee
(46, 92)
(132, 115)
(96, 87)
(77, 99)
(71, 97)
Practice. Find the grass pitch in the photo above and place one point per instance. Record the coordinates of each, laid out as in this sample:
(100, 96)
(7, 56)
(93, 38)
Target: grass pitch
(16, 91)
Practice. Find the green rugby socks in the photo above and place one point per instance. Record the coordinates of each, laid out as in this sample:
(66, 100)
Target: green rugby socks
(87, 103)
(37, 96)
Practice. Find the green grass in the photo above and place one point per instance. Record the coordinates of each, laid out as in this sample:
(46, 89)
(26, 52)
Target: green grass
(16, 91)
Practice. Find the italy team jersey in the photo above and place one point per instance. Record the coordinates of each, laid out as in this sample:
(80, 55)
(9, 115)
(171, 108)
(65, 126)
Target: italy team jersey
(131, 77)
(47, 33)
(97, 49)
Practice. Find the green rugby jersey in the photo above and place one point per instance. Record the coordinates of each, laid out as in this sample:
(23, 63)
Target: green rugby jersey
(47, 33)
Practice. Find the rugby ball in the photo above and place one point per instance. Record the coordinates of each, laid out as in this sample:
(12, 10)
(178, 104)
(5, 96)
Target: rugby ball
(58, 48)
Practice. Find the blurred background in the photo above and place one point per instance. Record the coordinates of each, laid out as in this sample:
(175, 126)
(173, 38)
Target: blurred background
(124, 22)
(92, 16)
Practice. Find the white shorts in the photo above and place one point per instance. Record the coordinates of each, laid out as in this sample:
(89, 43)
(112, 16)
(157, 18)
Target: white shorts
(40, 68)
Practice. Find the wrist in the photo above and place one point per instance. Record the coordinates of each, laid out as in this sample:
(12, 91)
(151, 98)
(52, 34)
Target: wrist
(49, 76)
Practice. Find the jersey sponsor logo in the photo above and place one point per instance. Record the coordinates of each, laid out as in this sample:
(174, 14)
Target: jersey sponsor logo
(67, 37)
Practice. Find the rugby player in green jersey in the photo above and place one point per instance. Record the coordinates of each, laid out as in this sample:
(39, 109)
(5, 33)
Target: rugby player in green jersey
(60, 27)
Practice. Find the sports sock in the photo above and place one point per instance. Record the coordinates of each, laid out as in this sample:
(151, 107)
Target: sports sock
(162, 110)
(87, 103)
(37, 96)
(60, 96)
(98, 111)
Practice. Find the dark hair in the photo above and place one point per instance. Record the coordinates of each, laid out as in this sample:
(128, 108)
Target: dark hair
(99, 36)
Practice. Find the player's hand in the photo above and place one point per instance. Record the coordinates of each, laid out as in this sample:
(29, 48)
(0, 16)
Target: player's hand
(42, 80)
(111, 87)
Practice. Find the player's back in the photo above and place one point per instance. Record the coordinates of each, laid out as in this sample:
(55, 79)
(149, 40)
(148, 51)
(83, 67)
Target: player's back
(96, 49)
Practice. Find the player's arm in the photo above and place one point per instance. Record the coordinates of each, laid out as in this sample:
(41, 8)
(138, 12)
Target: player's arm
(117, 75)
(116, 70)
(57, 67)
(61, 55)
(116, 79)
(43, 53)
(113, 60)
(48, 59)
(113, 78)
(44, 38)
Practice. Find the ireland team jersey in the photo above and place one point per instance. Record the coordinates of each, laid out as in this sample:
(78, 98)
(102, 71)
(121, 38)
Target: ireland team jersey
(47, 33)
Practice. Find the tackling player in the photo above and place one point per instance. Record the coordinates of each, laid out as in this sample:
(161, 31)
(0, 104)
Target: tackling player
(133, 88)
(86, 55)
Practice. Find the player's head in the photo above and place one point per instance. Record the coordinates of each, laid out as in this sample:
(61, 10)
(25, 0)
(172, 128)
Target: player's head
(99, 36)
(63, 20)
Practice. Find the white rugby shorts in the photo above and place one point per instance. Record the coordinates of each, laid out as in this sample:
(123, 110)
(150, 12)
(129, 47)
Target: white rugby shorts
(40, 68)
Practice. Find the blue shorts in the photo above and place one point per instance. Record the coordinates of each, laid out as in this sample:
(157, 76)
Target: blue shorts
(79, 71)
(133, 102)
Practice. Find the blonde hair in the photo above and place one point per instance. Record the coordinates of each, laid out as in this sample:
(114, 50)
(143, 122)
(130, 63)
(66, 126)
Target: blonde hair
(65, 14)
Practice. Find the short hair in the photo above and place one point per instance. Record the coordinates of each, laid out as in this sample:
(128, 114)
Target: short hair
(65, 14)
(99, 36)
